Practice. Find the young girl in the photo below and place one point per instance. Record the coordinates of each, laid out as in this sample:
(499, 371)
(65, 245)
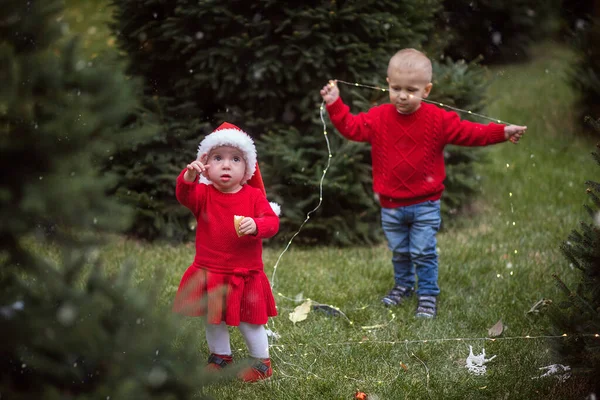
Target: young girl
(226, 283)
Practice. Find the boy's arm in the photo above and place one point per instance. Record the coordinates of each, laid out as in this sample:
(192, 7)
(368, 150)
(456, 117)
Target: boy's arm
(267, 222)
(514, 132)
(353, 127)
(467, 133)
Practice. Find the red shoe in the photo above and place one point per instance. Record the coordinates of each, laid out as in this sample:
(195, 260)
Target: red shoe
(260, 370)
(217, 362)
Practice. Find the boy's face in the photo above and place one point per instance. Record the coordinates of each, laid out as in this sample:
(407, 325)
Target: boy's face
(226, 168)
(407, 88)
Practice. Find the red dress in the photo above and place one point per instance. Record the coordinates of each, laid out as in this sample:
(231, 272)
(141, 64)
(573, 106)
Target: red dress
(226, 281)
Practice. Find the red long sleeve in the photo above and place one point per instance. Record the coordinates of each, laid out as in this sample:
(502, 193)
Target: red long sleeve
(408, 149)
(187, 193)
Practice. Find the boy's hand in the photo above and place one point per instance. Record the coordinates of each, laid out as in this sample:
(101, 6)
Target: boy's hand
(514, 132)
(330, 92)
(194, 169)
(248, 226)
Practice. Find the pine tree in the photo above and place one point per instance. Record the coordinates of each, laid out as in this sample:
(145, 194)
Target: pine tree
(578, 314)
(67, 329)
(585, 76)
(500, 31)
(576, 13)
(260, 65)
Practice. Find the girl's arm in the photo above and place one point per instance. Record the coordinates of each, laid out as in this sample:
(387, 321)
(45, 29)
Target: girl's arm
(188, 193)
(267, 222)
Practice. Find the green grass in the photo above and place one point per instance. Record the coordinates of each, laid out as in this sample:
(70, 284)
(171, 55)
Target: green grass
(494, 264)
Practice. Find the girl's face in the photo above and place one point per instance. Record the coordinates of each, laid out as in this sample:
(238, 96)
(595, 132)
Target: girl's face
(226, 168)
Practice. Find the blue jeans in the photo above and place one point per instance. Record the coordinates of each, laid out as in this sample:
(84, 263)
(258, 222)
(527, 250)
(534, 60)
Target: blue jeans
(411, 235)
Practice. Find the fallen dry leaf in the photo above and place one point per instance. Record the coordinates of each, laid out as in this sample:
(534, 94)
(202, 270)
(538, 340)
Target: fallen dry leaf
(300, 313)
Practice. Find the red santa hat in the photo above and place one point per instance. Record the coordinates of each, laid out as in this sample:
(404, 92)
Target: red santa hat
(230, 135)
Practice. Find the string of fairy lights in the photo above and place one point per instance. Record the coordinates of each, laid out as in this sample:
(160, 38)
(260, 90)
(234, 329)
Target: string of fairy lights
(440, 340)
(379, 326)
(279, 350)
(499, 121)
(329, 155)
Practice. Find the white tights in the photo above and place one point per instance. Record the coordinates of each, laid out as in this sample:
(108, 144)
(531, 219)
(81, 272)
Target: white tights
(255, 336)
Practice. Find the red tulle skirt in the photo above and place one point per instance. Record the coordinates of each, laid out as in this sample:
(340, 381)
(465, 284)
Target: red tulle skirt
(233, 296)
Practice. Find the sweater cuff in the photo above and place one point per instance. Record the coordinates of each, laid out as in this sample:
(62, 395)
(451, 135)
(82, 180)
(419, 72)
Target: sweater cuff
(335, 107)
(183, 181)
(264, 230)
(497, 134)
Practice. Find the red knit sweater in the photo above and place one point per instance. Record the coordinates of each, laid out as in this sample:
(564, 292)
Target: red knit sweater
(224, 259)
(407, 150)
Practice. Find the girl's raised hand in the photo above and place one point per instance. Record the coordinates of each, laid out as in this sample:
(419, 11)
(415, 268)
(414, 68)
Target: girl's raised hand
(194, 169)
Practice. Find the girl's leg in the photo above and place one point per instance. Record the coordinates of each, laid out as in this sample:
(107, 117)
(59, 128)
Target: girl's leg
(217, 337)
(256, 340)
(258, 347)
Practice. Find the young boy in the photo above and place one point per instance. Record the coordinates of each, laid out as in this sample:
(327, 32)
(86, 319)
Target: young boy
(407, 140)
(226, 283)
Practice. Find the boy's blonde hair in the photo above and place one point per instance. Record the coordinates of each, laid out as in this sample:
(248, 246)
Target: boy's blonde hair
(411, 59)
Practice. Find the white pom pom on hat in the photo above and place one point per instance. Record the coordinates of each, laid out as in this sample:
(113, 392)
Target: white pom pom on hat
(230, 135)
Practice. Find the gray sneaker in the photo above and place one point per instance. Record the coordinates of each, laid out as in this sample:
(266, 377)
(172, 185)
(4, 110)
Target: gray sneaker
(397, 295)
(427, 307)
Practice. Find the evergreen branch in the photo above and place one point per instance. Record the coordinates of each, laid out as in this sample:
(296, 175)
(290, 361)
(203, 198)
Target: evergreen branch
(561, 285)
(596, 156)
(567, 250)
(584, 304)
